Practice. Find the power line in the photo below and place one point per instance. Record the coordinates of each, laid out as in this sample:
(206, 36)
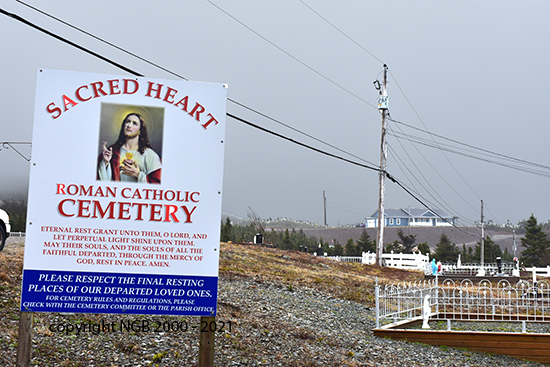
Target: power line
(341, 32)
(292, 56)
(503, 156)
(24, 21)
(428, 182)
(423, 204)
(301, 144)
(101, 39)
(16, 17)
(303, 133)
(184, 78)
(469, 154)
(411, 183)
(368, 52)
(447, 158)
(13, 16)
(441, 176)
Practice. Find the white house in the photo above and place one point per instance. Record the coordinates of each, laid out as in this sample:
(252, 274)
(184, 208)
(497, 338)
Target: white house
(405, 217)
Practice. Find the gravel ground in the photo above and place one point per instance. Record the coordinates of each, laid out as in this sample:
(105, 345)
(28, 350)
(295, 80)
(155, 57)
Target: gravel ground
(271, 325)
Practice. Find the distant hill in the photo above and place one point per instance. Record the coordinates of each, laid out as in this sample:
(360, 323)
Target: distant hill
(430, 235)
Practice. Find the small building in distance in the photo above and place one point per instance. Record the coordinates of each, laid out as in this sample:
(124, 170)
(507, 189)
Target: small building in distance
(405, 217)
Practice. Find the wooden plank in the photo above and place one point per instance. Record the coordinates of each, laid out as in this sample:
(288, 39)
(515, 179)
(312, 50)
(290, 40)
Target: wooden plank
(533, 347)
(512, 348)
(541, 355)
(466, 335)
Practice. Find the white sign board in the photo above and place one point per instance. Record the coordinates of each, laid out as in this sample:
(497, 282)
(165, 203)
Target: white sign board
(124, 205)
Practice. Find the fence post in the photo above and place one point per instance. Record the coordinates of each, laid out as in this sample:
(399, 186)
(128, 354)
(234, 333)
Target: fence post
(377, 303)
(436, 295)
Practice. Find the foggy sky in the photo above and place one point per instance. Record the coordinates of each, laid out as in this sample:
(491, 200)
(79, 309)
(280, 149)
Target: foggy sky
(474, 72)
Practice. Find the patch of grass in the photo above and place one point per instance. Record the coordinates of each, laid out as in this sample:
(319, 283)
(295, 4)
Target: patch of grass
(422, 344)
(158, 357)
(349, 281)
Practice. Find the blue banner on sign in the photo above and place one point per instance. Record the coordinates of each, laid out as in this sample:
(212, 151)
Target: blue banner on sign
(118, 293)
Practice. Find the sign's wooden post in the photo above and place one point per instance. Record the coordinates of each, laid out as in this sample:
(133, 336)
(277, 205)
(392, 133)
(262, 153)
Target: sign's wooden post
(24, 339)
(206, 341)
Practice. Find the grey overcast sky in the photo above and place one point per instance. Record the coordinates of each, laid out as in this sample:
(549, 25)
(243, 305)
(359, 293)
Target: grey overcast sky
(475, 72)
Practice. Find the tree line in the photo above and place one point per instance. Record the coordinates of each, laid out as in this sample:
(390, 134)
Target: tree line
(536, 245)
(17, 211)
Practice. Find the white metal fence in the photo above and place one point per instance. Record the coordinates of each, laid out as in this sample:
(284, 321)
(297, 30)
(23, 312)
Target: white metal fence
(349, 259)
(395, 302)
(502, 301)
(417, 261)
(487, 301)
(17, 234)
(473, 268)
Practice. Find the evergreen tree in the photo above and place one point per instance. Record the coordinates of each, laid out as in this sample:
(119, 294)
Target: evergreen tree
(536, 244)
(506, 256)
(17, 211)
(424, 248)
(364, 243)
(287, 242)
(464, 254)
(299, 239)
(395, 246)
(467, 255)
(491, 251)
(407, 241)
(351, 249)
(326, 247)
(226, 231)
(338, 249)
(445, 251)
(274, 237)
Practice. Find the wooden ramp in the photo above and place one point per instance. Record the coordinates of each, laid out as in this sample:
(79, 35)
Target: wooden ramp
(528, 346)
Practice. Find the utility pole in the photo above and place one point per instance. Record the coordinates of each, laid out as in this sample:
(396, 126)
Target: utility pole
(409, 220)
(383, 109)
(325, 208)
(482, 269)
(514, 237)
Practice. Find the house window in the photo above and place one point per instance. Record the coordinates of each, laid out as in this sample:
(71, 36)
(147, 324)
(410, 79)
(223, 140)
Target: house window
(398, 221)
(391, 221)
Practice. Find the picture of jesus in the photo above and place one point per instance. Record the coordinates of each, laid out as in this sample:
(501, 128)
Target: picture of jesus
(131, 158)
